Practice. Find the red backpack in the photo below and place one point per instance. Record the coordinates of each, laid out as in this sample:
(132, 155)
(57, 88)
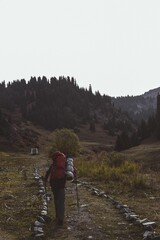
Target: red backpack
(58, 169)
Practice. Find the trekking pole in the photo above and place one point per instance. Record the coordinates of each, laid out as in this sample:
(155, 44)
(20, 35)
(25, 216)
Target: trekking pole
(77, 196)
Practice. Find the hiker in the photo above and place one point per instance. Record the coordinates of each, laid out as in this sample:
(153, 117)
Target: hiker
(57, 178)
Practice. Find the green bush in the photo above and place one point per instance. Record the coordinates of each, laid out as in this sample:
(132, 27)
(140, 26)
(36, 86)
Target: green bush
(66, 141)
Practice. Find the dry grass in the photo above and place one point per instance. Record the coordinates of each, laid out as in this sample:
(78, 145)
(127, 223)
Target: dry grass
(100, 136)
(111, 167)
(19, 195)
(136, 181)
(131, 177)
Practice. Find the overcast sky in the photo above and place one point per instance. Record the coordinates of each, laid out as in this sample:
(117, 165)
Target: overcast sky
(114, 45)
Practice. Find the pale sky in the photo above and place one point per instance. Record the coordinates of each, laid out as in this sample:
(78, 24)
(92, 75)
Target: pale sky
(114, 45)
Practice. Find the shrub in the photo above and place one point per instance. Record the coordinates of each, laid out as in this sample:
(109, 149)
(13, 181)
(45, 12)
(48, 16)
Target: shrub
(109, 167)
(66, 141)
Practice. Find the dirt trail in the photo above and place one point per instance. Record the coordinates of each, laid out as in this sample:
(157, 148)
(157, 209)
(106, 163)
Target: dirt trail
(97, 219)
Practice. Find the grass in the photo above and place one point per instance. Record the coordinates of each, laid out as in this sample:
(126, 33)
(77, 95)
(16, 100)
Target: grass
(147, 155)
(111, 167)
(19, 195)
(100, 136)
(131, 177)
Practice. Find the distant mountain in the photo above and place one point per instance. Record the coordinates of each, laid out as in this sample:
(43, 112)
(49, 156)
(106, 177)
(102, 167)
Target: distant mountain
(138, 107)
(152, 93)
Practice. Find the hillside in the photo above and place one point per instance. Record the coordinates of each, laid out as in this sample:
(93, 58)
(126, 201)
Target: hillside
(29, 110)
(48, 104)
(138, 107)
(152, 93)
(22, 135)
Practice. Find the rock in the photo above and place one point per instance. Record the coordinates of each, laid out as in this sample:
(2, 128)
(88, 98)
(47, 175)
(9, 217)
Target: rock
(90, 237)
(41, 191)
(94, 192)
(43, 212)
(44, 198)
(125, 210)
(149, 225)
(131, 216)
(46, 218)
(95, 189)
(39, 236)
(101, 194)
(37, 223)
(112, 200)
(124, 206)
(44, 203)
(44, 208)
(105, 195)
(84, 205)
(148, 235)
(38, 230)
(40, 219)
(140, 221)
(37, 177)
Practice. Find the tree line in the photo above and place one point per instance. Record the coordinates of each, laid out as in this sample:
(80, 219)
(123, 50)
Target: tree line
(53, 103)
(57, 103)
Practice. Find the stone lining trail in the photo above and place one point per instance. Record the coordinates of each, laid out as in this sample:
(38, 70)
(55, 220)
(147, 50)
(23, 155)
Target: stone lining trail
(129, 214)
(84, 224)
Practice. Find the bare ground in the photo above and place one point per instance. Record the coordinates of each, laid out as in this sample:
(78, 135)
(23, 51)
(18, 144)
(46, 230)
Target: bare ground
(97, 218)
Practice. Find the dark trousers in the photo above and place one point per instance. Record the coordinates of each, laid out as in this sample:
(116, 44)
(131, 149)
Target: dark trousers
(59, 202)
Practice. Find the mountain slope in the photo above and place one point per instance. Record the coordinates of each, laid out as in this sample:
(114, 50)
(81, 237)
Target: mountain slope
(56, 103)
(152, 93)
(138, 107)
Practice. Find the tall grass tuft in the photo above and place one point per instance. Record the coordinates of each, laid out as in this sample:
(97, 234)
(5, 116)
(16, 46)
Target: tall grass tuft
(139, 182)
(110, 167)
